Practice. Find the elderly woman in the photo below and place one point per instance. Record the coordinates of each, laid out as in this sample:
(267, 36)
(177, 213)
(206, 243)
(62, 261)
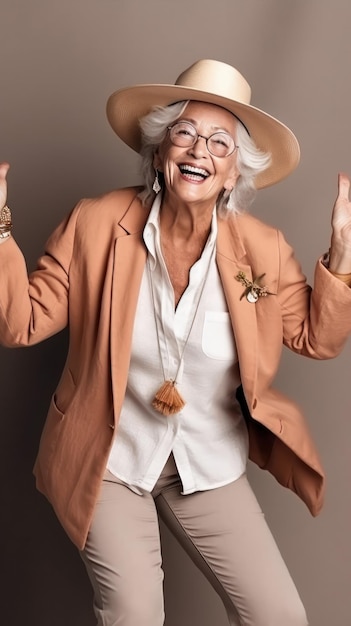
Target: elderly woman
(178, 304)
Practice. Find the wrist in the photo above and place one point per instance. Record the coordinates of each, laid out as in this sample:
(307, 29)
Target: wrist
(339, 256)
(345, 277)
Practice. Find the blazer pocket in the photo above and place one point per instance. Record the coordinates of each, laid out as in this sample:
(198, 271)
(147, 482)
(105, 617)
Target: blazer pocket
(218, 337)
(65, 391)
(51, 432)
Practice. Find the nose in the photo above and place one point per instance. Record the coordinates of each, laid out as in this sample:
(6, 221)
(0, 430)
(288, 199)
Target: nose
(199, 148)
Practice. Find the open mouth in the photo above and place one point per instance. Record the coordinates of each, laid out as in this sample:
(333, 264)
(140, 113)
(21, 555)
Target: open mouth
(193, 173)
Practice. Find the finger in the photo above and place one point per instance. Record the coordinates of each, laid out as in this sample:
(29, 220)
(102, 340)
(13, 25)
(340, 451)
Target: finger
(343, 186)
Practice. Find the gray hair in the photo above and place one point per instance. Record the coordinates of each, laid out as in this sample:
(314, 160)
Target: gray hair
(250, 160)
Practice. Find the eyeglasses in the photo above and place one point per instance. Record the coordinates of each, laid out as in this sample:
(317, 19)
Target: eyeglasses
(185, 135)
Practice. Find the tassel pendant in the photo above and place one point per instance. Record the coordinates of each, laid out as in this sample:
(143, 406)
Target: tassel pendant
(168, 400)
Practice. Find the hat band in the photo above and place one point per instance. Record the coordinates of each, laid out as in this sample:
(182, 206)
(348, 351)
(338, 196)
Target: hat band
(238, 118)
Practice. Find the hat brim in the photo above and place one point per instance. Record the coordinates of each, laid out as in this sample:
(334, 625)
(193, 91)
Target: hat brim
(127, 106)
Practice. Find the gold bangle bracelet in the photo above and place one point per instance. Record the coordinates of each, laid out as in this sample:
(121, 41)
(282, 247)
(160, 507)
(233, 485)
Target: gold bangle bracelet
(345, 278)
(341, 276)
(5, 235)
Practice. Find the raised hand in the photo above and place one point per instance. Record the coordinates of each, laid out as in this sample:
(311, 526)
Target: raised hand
(340, 250)
(4, 167)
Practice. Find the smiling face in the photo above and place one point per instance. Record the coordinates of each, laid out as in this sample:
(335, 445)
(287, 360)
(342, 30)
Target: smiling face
(192, 174)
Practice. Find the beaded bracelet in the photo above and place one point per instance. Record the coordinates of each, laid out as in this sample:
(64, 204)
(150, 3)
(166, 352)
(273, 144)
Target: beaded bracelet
(5, 223)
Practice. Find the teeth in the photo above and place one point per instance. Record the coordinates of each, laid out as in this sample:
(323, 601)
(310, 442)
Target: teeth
(193, 170)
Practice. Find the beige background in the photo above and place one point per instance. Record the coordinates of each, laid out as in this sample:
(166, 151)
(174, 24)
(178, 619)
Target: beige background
(60, 62)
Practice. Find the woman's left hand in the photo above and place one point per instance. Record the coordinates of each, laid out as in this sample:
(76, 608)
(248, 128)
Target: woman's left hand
(340, 249)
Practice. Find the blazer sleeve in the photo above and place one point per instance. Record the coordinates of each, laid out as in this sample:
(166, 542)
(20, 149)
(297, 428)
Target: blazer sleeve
(35, 307)
(316, 322)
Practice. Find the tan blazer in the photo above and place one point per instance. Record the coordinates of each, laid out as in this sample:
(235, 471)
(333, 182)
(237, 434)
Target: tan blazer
(89, 278)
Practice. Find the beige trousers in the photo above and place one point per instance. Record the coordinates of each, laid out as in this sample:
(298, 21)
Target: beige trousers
(224, 532)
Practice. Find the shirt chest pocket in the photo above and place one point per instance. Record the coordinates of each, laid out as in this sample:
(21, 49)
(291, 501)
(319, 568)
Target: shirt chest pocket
(217, 336)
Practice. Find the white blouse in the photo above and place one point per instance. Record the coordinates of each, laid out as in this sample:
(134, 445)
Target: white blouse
(208, 437)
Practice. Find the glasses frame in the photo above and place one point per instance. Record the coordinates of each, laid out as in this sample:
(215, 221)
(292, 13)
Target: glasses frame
(197, 136)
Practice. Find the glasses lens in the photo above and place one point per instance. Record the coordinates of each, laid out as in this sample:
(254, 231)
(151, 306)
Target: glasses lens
(183, 134)
(221, 144)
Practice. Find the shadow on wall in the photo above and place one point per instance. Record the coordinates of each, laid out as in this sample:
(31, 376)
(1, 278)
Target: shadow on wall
(38, 561)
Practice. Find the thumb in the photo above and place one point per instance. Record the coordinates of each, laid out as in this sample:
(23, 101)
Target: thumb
(343, 186)
(4, 168)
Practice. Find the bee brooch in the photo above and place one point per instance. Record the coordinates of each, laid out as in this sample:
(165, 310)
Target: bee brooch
(253, 289)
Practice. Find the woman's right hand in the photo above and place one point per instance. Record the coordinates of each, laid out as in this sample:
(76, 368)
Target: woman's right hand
(4, 168)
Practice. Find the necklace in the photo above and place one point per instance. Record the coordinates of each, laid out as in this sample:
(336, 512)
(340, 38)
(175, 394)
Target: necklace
(167, 399)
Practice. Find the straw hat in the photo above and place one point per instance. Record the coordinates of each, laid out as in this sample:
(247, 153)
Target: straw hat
(216, 83)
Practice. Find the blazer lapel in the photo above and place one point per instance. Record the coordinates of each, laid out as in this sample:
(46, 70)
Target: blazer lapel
(231, 258)
(128, 266)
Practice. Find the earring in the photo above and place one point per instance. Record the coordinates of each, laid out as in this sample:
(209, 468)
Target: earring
(228, 198)
(226, 194)
(156, 186)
